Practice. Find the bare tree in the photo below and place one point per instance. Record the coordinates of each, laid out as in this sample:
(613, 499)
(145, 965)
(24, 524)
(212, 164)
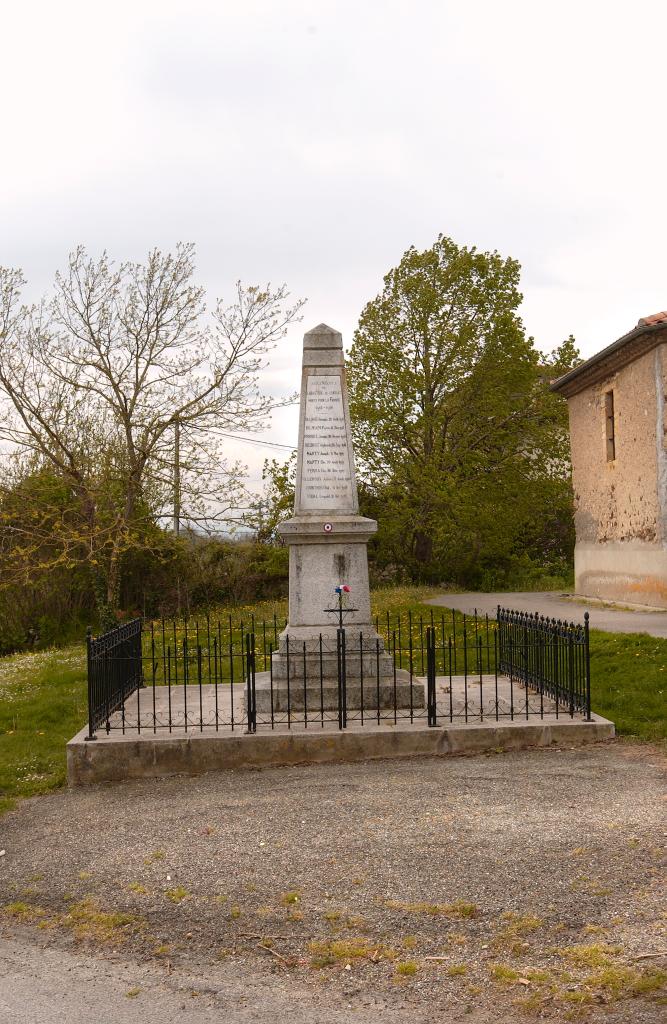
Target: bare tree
(96, 378)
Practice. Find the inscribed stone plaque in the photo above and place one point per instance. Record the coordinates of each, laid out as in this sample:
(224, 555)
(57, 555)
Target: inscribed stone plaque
(326, 479)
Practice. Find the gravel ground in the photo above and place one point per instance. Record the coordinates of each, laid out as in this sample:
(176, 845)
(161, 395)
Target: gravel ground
(491, 888)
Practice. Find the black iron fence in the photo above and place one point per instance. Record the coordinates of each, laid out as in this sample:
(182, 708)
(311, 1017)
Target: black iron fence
(548, 656)
(444, 667)
(115, 671)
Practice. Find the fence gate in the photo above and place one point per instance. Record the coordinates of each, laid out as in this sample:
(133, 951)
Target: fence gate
(115, 671)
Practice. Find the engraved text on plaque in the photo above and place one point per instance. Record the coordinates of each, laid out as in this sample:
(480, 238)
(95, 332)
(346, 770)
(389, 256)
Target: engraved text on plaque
(326, 479)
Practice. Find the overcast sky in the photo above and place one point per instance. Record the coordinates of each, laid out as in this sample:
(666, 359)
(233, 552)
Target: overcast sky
(313, 143)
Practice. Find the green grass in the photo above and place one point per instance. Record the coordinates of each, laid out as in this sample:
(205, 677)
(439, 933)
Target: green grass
(224, 629)
(43, 695)
(629, 682)
(392, 600)
(42, 705)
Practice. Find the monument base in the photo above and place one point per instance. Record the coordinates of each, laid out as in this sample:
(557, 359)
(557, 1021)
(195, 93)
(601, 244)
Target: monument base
(317, 659)
(315, 696)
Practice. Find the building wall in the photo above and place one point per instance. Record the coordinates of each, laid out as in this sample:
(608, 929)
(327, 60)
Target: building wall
(621, 506)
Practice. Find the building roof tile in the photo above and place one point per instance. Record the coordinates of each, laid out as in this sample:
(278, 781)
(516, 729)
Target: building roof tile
(655, 318)
(650, 331)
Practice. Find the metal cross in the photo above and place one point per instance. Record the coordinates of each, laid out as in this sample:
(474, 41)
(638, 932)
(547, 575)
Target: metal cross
(340, 611)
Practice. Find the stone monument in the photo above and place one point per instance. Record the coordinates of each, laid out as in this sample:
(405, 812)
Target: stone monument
(327, 541)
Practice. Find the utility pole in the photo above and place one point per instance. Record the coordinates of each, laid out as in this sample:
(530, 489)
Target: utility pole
(177, 476)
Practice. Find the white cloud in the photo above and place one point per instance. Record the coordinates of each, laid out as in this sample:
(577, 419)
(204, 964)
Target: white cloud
(313, 143)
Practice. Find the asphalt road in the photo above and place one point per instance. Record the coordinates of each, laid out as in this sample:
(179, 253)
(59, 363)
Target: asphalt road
(557, 605)
(42, 985)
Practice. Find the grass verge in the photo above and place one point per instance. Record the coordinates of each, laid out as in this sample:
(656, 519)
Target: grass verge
(42, 705)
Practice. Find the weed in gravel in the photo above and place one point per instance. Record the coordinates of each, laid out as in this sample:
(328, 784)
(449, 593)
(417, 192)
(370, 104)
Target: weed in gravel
(457, 938)
(155, 855)
(579, 997)
(576, 1013)
(597, 954)
(336, 920)
(83, 875)
(594, 929)
(294, 915)
(592, 886)
(515, 927)
(221, 898)
(520, 924)
(138, 888)
(132, 993)
(503, 974)
(409, 942)
(539, 977)
(162, 950)
(235, 913)
(457, 970)
(530, 1004)
(407, 968)
(23, 911)
(289, 898)
(627, 982)
(326, 954)
(89, 922)
(177, 895)
(459, 908)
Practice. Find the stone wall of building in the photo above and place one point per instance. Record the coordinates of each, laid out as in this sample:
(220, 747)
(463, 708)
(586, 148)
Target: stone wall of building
(621, 505)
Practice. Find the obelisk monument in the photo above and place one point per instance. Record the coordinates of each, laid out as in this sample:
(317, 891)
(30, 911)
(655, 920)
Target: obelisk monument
(327, 541)
(327, 537)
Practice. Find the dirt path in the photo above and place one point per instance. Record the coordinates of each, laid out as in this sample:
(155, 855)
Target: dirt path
(558, 606)
(481, 888)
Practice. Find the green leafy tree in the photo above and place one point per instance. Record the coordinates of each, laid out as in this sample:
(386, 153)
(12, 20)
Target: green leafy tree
(457, 436)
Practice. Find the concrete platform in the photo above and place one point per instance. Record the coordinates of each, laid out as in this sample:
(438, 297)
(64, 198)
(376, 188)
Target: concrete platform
(195, 746)
(190, 708)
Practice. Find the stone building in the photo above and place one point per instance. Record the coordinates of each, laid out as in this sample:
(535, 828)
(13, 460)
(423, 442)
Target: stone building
(617, 403)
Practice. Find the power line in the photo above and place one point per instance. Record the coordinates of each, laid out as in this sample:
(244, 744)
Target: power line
(253, 440)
